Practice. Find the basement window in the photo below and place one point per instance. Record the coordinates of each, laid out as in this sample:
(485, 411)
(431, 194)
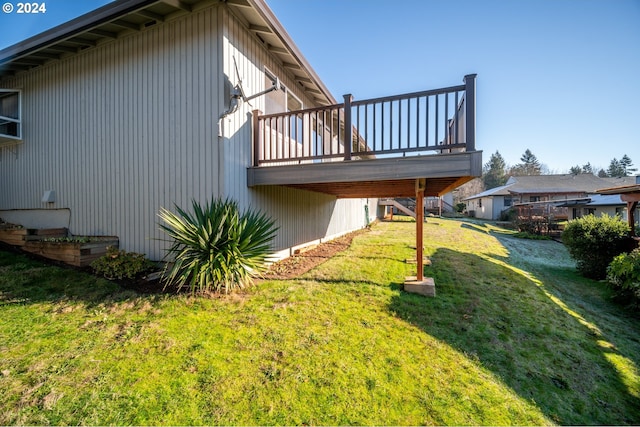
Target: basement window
(10, 115)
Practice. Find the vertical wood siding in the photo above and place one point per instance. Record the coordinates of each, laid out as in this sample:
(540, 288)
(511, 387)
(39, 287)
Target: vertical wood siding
(128, 127)
(302, 216)
(121, 130)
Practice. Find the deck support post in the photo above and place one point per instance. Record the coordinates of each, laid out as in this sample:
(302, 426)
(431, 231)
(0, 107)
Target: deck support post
(419, 284)
(420, 187)
(631, 209)
(632, 203)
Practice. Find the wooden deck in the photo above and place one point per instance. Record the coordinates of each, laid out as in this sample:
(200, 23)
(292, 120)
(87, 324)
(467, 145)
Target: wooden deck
(393, 177)
(373, 148)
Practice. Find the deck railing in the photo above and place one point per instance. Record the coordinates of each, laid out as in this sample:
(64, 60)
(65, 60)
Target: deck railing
(441, 120)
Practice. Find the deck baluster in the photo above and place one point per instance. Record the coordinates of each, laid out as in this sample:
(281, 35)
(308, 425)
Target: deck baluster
(348, 136)
(306, 136)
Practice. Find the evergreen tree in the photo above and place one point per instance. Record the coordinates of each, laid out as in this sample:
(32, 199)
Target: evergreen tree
(575, 170)
(587, 168)
(602, 173)
(529, 166)
(616, 169)
(495, 173)
(626, 163)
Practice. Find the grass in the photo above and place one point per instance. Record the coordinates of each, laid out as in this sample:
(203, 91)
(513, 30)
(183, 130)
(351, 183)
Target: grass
(514, 336)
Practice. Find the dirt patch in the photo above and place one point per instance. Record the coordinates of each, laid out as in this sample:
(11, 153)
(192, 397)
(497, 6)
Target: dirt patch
(297, 265)
(288, 268)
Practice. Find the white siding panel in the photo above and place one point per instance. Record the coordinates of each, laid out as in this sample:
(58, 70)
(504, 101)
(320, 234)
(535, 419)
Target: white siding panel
(301, 215)
(121, 130)
(128, 127)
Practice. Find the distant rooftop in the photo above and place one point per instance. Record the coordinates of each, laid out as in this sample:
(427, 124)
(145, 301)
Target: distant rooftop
(548, 184)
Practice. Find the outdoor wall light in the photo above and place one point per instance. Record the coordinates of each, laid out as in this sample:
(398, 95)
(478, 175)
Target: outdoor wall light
(49, 196)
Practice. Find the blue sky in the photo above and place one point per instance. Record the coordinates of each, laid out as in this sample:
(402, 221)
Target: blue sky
(561, 77)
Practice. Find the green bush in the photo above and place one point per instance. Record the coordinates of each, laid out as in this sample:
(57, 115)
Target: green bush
(460, 207)
(216, 247)
(120, 264)
(508, 215)
(530, 236)
(623, 275)
(594, 241)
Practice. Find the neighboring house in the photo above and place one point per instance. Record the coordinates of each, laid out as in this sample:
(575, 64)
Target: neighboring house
(596, 204)
(571, 193)
(629, 193)
(143, 104)
(489, 204)
(432, 205)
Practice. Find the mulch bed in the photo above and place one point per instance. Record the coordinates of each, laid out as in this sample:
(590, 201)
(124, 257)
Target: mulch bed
(288, 268)
(297, 265)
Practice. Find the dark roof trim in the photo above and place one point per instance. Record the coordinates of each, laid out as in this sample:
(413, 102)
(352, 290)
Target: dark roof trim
(73, 28)
(626, 189)
(14, 57)
(261, 7)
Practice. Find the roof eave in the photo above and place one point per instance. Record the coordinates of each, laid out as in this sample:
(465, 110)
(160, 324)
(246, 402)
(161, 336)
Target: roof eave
(620, 190)
(72, 28)
(267, 14)
(105, 15)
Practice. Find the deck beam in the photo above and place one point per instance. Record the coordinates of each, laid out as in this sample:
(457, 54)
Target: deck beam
(440, 166)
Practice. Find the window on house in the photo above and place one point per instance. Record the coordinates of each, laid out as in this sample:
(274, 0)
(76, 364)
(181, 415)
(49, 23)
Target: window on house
(281, 100)
(479, 203)
(508, 201)
(534, 198)
(10, 114)
(295, 122)
(276, 100)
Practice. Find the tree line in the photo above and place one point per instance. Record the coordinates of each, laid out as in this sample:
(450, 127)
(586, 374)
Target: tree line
(496, 172)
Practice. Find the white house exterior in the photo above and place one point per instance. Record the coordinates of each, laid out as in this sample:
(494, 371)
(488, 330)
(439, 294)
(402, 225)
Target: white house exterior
(489, 204)
(598, 205)
(120, 129)
(129, 108)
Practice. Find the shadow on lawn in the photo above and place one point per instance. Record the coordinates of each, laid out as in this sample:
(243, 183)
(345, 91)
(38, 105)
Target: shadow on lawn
(29, 279)
(542, 346)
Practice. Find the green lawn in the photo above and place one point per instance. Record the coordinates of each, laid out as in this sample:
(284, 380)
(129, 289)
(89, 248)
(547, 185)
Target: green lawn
(514, 336)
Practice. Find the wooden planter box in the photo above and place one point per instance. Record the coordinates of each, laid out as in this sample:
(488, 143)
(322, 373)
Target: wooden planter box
(19, 236)
(80, 254)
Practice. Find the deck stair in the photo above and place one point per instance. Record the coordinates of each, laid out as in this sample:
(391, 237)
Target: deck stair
(394, 203)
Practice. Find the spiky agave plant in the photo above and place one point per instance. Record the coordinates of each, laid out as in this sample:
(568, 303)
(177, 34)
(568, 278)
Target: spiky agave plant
(216, 247)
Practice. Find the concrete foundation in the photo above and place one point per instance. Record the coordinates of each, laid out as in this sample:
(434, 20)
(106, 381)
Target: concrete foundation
(426, 287)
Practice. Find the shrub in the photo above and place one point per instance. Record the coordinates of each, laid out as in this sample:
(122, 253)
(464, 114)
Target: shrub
(460, 207)
(508, 215)
(594, 241)
(216, 247)
(530, 236)
(623, 275)
(532, 224)
(120, 264)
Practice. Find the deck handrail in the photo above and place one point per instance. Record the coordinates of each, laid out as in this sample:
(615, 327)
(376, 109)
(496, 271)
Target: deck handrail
(409, 124)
